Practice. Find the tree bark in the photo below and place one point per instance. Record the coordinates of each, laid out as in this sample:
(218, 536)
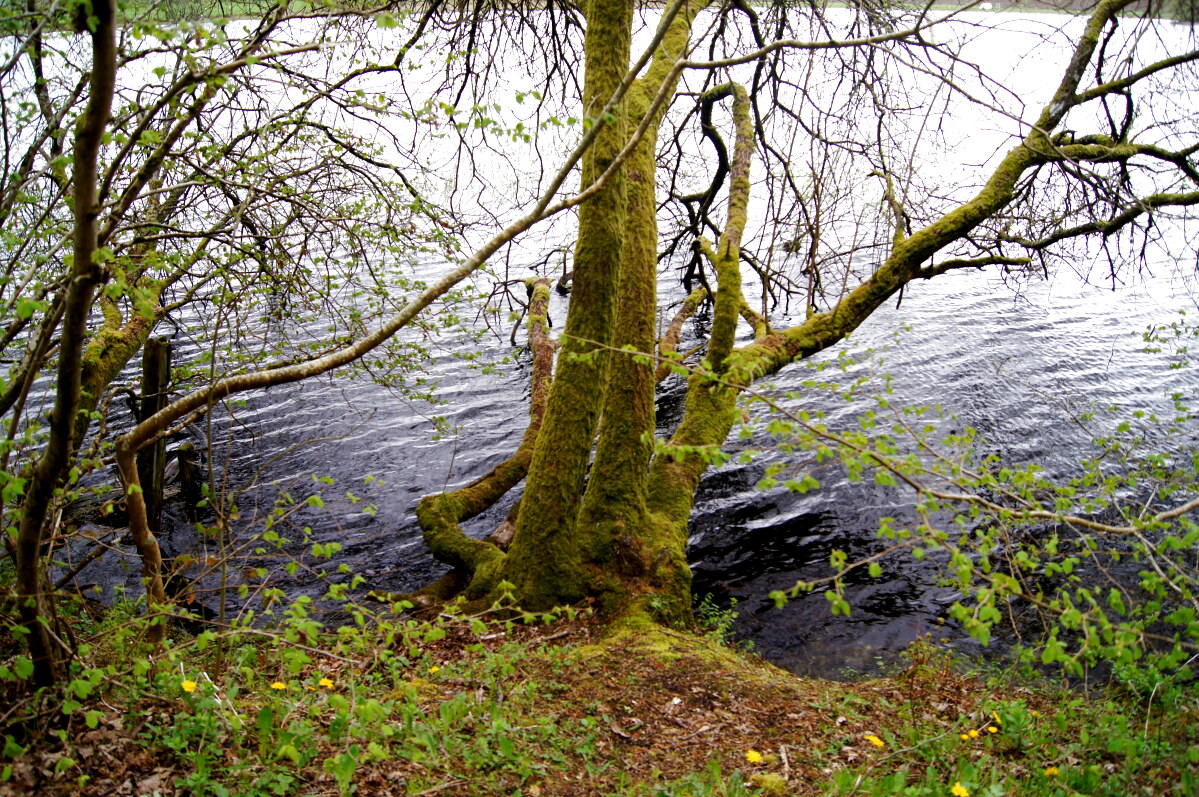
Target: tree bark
(624, 556)
(50, 468)
(544, 563)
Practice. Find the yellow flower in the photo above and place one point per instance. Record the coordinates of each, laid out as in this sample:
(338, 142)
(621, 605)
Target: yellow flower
(992, 729)
(188, 686)
(874, 740)
(1035, 713)
(997, 720)
(325, 682)
(959, 790)
(965, 737)
(753, 756)
(973, 733)
(278, 685)
(1051, 771)
(433, 670)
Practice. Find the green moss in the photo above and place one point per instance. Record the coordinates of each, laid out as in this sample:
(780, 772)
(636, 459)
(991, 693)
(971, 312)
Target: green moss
(637, 630)
(544, 562)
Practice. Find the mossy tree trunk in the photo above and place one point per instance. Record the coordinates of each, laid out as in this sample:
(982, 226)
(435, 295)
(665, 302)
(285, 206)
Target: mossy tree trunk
(545, 560)
(603, 518)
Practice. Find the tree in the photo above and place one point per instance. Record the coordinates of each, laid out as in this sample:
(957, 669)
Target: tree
(1109, 157)
(613, 528)
(201, 195)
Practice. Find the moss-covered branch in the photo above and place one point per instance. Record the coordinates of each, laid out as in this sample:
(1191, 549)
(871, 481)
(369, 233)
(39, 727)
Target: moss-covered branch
(727, 260)
(668, 346)
(710, 408)
(1066, 97)
(1144, 205)
(439, 515)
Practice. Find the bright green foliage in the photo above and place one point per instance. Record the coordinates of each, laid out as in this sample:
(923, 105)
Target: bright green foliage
(1008, 536)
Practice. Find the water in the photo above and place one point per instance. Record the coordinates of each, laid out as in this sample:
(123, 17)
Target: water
(1065, 340)
(1014, 367)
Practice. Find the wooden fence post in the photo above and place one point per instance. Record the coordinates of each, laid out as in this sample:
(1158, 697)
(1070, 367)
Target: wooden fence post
(156, 377)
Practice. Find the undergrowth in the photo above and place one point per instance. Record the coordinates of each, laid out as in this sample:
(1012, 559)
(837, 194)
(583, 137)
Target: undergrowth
(509, 703)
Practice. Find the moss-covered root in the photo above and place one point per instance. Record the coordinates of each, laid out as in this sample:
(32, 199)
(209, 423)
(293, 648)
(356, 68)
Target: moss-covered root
(638, 630)
(478, 561)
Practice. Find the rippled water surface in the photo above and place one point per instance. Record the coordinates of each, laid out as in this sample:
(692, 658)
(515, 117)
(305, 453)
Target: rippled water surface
(1002, 362)
(1012, 367)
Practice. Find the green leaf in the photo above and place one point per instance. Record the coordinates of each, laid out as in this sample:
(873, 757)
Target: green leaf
(265, 722)
(27, 307)
(1116, 601)
(289, 752)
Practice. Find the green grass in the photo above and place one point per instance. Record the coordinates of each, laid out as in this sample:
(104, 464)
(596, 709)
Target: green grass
(1033, 738)
(547, 705)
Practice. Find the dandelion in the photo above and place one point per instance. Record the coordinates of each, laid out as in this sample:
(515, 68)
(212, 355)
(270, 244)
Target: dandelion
(325, 682)
(278, 686)
(433, 670)
(753, 756)
(959, 790)
(992, 729)
(965, 737)
(1051, 771)
(997, 720)
(874, 740)
(188, 686)
(974, 733)
(1035, 713)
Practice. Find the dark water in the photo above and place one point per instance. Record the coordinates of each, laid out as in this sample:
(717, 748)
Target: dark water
(990, 356)
(1013, 367)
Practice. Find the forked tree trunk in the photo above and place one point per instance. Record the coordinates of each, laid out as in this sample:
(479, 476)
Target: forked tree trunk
(618, 534)
(594, 534)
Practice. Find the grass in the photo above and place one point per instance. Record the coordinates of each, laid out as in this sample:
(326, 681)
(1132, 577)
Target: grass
(558, 705)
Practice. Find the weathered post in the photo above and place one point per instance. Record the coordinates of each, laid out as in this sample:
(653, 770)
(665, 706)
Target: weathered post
(156, 376)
